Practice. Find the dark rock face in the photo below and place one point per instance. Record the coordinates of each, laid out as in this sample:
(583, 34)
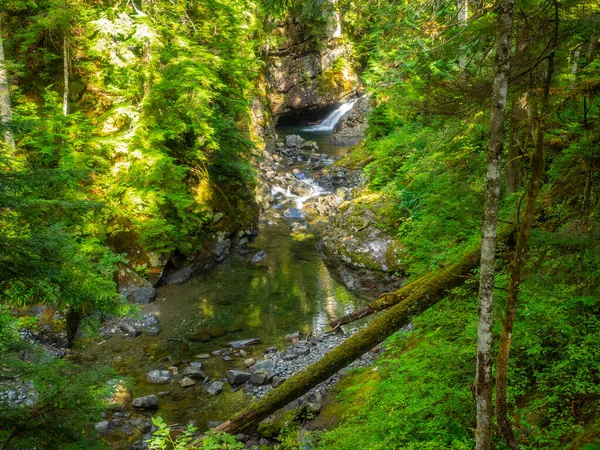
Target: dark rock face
(301, 75)
(147, 402)
(236, 377)
(133, 287)
(351, 127)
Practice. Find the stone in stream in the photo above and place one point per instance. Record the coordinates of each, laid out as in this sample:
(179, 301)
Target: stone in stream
(158, 376)
(293, 213)
(298, 227)
(311, 145)
(215, 388)
(249, 362)
(235, 377)
(292, 336)
(260, 378)
(213, 423)
(293, 140)
(187, 382)
(243, 343)
(299, 174)
(130, 330)
(193, 372)
(202, 356)
(267, 365)
(146, 402)
(277, 381)
(196, 364)
(260, 256)
(300, 351)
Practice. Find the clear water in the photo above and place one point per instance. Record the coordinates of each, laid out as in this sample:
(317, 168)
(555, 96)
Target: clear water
(291, 290)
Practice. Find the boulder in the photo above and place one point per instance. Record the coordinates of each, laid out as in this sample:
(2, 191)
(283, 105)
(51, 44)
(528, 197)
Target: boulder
(187, 382)
(193, 372)
(260, 256)
(158, 376)
(146, 402)
(260, 378)
(267, 365)
(133, 287)
(293, 140)
(236, 377)
(215, 388)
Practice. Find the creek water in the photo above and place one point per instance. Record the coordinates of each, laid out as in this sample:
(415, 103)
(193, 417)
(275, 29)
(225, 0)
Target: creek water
(290, 290)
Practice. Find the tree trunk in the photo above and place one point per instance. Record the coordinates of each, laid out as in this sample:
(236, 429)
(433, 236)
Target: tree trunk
(66, 75)
(5, 105)
(463, 17)
(519, 257)
(483, 383)
(432, 290)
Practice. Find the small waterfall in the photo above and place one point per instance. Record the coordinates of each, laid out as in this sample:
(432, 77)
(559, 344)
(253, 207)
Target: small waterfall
(332, 119)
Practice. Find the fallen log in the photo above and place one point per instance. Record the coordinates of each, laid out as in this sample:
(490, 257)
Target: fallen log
(426, 294)
(384, 301)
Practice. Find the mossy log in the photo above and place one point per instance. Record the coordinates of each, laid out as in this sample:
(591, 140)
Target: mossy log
(427, 294)
(384, 301)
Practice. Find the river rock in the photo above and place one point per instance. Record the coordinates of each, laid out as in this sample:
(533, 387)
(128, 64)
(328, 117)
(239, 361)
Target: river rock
(310, 145)
(292, 336)
(293, 213)
(193, 372)
(243, 342)
(299, 174)
(267, 365)
(249, 362)
(259, 378)
(215, 388)
(293, 140)
(158, 376)
(146, 402)
(202, 356)
(260, 256)
(299, 227)
(187, 382)
(236, 377)
(133, 287)
(102, 427)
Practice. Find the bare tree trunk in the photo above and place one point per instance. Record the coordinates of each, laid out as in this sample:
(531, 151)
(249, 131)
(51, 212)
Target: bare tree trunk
(463, 17)
(518, 260)
(483, 383)
(5, 105)
(432, 290)
(66, 75)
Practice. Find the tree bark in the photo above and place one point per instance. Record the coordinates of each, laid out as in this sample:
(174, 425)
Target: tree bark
(519, 257)
(432, 290)
(66, 75)
(463, 17)
(483, 383)
(5, 105)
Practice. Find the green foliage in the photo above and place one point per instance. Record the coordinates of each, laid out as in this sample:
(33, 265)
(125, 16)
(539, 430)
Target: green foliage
(163, 439)
(61, 401)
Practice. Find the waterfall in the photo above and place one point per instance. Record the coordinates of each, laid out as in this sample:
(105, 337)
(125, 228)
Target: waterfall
(332, 119)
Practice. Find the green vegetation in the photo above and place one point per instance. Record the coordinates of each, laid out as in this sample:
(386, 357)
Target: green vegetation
(129, 137)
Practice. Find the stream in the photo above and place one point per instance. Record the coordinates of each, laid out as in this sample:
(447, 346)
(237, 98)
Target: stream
(252, 294)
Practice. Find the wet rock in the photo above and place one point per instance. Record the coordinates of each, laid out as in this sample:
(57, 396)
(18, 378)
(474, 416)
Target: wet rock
(351, 127)
(292, 336)
(243, 343)
(187, 382)
(227, 358)
(158, 376)
(215, 388)
(153, 330)
(237, 377)
(310, 145)
(293, 213)
(277, 381)
(146, 402)
(259, 378)
(193, 372)
(260, 256)
(267, 365)
(299, 174)
(293, 140)
(102, 427)
(289, 356)
(217, 352)
(299, 227)
(249, 362)
(133, 287)
(196, 364)
(202, 356)
(129, 329)
(279, 145)
(303, 351)
(143, 424)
